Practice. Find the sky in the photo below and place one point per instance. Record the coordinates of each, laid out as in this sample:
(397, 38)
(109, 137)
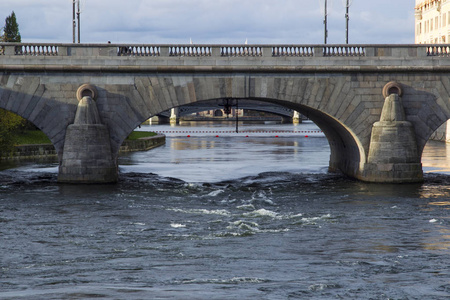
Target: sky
(214, 21)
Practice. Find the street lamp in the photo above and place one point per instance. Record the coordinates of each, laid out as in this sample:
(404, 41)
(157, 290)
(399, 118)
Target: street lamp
(78, 18)
(74, 22)
(325, 23)
(347, 18)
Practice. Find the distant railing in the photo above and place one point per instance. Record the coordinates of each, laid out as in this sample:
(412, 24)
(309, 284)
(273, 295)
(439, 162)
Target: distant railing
(296, 51)
(230, 51)
(344, 51)
(190, 51)
(442, 51)
(138, 51)
(36, 50)
(239, 51)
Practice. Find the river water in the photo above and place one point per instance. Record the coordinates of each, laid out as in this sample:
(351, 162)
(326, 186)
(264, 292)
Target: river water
(219, 215)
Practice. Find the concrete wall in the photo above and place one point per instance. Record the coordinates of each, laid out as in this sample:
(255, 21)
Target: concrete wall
(32, 151)
(142, 144)
(48, 150)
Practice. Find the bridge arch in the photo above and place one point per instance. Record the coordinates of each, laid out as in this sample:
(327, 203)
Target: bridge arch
(347, 151)
(329, 101)
(38, 103)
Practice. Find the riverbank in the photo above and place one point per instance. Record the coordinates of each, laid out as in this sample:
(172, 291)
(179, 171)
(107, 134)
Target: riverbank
(28, 151)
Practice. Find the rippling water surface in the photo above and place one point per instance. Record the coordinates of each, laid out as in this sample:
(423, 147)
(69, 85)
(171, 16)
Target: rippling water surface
(227, 217)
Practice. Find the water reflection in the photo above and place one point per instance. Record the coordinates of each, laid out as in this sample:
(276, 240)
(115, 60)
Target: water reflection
(436, 157)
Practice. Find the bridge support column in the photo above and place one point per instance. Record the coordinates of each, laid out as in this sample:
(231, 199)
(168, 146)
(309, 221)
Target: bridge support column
(296, 119)
(87, 155)
(174, 116)
(393, 155)
(158, 120)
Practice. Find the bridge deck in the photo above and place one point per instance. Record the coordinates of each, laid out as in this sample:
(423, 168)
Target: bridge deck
(223, 58)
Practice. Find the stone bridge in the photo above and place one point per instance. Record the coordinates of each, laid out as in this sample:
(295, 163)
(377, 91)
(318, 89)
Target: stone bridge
(219, 104)
(377, 104)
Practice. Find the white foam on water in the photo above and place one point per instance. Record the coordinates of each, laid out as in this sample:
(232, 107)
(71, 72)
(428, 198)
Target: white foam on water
(234, 280)
(177, 225)
(221, 212)
(246, 207)
(215, 193)
(262, 213)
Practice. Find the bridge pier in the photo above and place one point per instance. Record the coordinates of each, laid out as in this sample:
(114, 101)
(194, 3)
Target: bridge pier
(393, 154)
(158, 120)
(87, 155)
(296, 119)
(174, 116)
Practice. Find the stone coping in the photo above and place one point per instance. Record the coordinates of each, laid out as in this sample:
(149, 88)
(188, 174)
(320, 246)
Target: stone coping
(48, 150)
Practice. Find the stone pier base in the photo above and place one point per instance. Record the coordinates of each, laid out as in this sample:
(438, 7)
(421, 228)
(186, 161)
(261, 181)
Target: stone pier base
(87, 156)
(393, 154)
(392, 173)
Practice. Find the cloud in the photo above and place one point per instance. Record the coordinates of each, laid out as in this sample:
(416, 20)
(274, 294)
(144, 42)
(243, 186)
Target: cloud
(213, 21)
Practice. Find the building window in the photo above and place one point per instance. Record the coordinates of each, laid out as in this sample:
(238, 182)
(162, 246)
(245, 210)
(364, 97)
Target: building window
(444, 20)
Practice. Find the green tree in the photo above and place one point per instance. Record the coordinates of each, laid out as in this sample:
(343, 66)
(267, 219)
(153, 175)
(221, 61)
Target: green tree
(10, 125)
(11, 29)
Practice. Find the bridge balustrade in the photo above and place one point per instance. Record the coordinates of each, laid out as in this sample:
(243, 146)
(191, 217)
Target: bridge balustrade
(442, 51)
(153, 51)
(296, 51)
(344, 51)
(236, 51)
(36, 50)
(138, 51)
(190, 51)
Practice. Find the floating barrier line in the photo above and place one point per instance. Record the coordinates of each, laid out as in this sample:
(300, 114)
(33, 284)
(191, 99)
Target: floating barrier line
(232, 131)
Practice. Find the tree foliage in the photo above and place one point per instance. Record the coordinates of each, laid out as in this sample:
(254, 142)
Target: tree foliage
(10, 125)
(11, 32)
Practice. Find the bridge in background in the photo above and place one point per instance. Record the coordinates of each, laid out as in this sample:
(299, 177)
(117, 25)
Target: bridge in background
(285, 113)
(377, 104)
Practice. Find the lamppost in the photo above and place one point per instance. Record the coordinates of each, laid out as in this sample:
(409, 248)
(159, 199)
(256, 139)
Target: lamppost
(74, 21)
(325, 23)
(347, 18)
(78, 19)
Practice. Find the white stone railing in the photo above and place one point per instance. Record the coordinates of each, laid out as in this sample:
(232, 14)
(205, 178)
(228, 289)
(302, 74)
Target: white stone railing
(127, 50)
(239, 51)
(154, 51)
(33, 49)
(297, 51)
(439, 50)
(344, 51)
(190, 50)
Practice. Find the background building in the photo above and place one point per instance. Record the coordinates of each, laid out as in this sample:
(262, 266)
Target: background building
(432, 21)
(433, 27)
